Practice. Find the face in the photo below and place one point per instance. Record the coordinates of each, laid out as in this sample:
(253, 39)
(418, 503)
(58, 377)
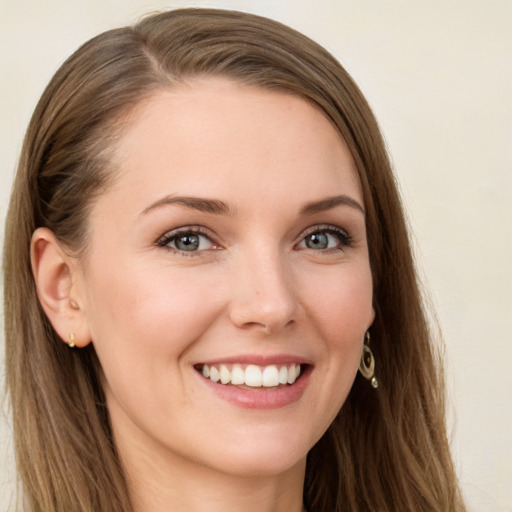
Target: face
(229, 256)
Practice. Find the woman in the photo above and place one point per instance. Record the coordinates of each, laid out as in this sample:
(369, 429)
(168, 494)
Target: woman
(204, 245)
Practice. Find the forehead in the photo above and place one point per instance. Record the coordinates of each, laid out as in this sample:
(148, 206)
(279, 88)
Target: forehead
(209, 132)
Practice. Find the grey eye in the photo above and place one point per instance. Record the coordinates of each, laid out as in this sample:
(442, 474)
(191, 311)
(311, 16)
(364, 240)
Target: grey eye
(318, 241)
(325, 239)
(187, 241)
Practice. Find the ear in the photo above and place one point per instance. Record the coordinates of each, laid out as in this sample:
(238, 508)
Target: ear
(372, 317)
(57, 275)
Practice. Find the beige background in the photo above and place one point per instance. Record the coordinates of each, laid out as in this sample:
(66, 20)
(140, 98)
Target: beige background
(439, 76)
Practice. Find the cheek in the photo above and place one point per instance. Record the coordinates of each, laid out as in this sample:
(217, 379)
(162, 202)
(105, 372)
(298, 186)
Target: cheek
(340, 311)
(343, 308)
(143, 323)
(146, 312)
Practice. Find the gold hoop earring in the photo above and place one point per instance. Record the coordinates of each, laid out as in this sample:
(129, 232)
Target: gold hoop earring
(367, 364)
(71, 343)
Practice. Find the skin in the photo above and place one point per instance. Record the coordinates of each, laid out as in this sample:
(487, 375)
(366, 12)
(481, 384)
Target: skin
(255, 287)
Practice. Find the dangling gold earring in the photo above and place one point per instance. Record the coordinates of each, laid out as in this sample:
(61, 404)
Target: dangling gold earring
(71, 343)
(367, 364)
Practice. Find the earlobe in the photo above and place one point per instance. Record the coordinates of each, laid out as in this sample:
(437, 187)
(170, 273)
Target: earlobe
(372, 317)
(54, 275)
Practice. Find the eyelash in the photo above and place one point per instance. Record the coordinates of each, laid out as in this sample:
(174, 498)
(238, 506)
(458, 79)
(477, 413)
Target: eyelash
(168, 238)
(345, 240)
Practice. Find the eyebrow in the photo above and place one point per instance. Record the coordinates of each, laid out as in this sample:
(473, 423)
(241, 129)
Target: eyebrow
(329, 203)
(195, 203)
(217, 207)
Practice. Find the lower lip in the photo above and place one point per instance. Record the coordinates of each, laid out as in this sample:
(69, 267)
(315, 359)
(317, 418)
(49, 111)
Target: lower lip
(261, 398)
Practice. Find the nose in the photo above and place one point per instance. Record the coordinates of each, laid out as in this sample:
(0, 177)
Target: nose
(263, 295)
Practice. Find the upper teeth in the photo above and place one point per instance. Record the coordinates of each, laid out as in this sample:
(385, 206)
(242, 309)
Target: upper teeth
(252, 375)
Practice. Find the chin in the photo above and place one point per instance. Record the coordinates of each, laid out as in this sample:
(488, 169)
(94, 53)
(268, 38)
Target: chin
(267, 454)
(269, 465)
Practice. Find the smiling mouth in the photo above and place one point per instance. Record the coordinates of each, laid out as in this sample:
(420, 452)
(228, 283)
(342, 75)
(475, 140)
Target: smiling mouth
(251, 376)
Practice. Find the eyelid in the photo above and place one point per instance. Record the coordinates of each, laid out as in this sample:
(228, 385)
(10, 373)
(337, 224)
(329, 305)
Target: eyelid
(168, 236)
(345, 238)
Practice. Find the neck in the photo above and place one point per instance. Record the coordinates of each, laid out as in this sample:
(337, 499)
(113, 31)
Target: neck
(165, 485)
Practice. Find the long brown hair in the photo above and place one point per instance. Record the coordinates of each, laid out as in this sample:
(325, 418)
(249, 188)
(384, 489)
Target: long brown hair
(387, 449)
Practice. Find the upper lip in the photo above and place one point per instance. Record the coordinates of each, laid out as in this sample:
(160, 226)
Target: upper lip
(258, 359)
